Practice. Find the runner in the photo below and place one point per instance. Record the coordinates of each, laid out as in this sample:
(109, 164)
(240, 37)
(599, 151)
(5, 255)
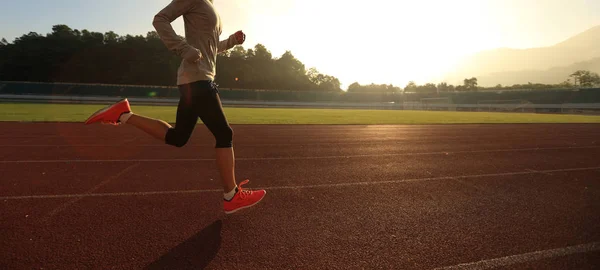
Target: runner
(199, 95)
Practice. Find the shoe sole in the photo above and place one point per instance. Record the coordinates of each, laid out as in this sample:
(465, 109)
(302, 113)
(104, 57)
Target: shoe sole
(247, 206)
(87, 122)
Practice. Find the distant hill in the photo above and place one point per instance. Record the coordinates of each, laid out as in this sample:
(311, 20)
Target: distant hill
(537, 65)
(549, 76)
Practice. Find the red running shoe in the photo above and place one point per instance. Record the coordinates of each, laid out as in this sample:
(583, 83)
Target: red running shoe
(110, 114)
(243, 199)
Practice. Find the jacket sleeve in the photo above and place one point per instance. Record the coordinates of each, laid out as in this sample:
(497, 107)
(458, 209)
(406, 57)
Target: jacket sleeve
(162, 24)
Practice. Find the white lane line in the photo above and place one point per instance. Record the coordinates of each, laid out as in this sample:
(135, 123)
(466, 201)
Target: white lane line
(532, 170)
(118, 194)
(76, 199)
(296, 187)
(526, 257)
(298, 157)
(239, 145)
(433, 178)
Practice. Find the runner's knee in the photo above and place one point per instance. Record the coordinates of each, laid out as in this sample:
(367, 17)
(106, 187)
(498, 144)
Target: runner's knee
(176, 138)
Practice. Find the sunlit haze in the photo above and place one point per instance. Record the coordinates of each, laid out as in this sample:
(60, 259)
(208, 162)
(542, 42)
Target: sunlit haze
(376, 41)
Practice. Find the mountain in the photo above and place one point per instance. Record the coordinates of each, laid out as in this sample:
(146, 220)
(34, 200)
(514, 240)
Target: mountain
(548, 76)
(537, 65)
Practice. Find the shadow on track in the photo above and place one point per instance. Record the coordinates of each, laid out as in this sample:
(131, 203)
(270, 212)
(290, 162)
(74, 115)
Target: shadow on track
(195, 253)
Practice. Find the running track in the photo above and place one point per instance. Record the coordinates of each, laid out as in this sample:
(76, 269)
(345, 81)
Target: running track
(339, 197)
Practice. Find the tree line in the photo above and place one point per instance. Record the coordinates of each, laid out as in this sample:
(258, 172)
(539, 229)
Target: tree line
(74, 56)
(579, 78)
(70, 55)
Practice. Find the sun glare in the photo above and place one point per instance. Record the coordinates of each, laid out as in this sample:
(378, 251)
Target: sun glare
(378, 41)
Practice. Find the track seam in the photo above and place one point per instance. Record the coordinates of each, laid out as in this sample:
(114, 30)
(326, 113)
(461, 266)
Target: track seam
(526, 257)
(96, 187)
(299, 158)
(295, 187)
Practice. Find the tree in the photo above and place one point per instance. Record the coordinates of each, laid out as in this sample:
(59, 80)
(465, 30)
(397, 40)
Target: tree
(323, 82)
(112, 38)
(261, 52)
(470, 84)
(577, 76)
(238, 52)
(566, 84)
(290, 73)
(410, 87)
(594, 79)
(354, 87)
(82, 56)
(585, 78)
(92, 39)
(427, 88)
(249, 53)
(373, 88)
(443, 87)
(62, 31)
(330, 84)
(152, 35)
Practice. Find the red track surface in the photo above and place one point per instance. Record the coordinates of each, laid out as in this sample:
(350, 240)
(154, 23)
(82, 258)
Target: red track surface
(339, 197)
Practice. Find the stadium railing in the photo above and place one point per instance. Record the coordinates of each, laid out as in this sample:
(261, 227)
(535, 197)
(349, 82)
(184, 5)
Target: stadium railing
(556, 100)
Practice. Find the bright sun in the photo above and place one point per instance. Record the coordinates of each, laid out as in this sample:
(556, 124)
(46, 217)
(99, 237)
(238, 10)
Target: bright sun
(378, 41)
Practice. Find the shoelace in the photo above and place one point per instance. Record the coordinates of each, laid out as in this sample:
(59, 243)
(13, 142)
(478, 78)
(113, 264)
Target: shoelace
(244, 192)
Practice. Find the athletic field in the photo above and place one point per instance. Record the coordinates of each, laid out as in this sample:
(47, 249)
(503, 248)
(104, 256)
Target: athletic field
(78, 113)
(360, 196)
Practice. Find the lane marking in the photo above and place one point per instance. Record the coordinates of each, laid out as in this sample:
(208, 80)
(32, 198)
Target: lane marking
(239, 145)
(117, 194)
(433, 178)
(299, 158)
(299, 144)
(63, 196)
(526, 257)
(76, 199)
(532, 170)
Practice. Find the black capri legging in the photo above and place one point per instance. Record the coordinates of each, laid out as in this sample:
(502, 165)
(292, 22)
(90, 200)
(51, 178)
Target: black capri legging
(200, 100)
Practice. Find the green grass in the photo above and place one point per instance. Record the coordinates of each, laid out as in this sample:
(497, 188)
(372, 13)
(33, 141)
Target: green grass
(78, 113)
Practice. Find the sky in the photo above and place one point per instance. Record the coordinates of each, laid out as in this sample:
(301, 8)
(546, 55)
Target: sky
(375, 41)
